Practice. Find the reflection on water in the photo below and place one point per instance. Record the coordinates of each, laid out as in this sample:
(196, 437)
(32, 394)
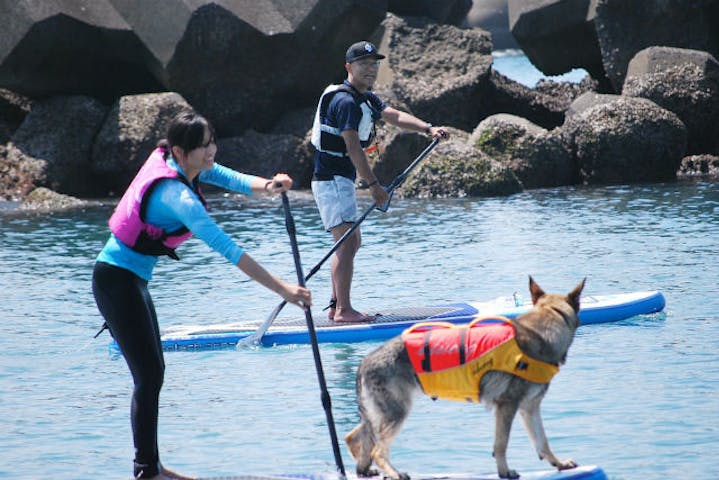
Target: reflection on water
(638, 398)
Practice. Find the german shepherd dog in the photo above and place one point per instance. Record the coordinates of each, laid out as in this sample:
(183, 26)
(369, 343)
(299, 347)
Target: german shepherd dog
(386, 383)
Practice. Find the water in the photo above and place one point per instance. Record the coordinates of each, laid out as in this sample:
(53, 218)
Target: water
(638, 397)
(513, 64)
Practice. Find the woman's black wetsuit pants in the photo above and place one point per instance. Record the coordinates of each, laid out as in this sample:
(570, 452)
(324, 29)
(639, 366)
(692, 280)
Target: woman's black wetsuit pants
(124, 301)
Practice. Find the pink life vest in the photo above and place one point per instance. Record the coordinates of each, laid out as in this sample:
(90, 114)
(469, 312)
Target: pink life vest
(127, 221)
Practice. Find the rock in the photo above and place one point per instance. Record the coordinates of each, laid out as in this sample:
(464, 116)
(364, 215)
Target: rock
(129, 134)
(256, 58)
(60, 131)
(446, 11)
(699, 166)
(544, 105)
(562, 94)
(514, 125)
(19, 174)
(493, 16)
(397, 149)
(295, 122)
(537, 157)
(438, 71)
(13, 110)
(455, 169)
(239, 63)
(558, 36)
(267, 154)
(624, 141)
(45, 200)
(56, 47)
(588, 100)
(626, 27)
(685, 82)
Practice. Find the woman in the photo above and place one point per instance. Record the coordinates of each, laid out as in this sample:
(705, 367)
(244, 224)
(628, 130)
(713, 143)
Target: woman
(162, 207)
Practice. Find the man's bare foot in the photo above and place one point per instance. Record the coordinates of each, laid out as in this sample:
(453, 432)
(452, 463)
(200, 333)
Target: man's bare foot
(352, 316)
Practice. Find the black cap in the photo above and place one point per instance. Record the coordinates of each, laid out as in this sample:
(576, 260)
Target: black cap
(362, 50)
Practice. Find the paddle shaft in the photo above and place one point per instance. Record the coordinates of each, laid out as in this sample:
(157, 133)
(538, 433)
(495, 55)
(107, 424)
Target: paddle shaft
(326, 401)
(397, 182)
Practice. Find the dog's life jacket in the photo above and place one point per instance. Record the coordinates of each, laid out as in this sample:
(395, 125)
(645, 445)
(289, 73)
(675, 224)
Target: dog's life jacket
(450, 360)
(128, 220)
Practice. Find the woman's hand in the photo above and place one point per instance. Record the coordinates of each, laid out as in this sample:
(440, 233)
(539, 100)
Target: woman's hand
(296, 295)
(281, 182)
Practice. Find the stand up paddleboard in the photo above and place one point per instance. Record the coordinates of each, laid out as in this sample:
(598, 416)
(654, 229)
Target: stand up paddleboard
(389, 323)
(589, 472)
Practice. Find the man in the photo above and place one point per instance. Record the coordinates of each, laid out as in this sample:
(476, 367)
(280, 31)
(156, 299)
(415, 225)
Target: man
(343, 128)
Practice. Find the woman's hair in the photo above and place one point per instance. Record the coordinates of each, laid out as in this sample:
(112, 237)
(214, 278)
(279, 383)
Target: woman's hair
(187, 131)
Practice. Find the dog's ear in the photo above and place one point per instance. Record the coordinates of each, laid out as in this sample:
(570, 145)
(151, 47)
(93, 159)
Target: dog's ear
(573, 296)
(535, 290)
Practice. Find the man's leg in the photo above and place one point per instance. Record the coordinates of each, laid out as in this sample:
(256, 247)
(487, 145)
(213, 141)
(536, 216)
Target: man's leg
(337, 204)
(342, 272)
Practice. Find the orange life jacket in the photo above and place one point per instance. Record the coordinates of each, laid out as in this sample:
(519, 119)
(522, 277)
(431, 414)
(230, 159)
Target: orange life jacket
(450, 360)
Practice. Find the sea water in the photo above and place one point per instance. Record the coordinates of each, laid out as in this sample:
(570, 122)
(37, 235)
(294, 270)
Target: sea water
(514, 65)
(640, 397)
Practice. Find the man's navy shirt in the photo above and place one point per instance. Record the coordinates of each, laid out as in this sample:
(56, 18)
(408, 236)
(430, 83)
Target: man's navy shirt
(344, 113)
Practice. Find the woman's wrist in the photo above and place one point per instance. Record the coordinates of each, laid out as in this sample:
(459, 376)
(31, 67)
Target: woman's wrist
(268, 183)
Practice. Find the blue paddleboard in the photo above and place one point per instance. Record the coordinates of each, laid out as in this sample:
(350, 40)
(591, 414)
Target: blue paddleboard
(389, 323)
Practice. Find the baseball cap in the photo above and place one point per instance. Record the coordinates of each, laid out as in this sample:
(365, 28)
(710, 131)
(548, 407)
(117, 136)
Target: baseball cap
(362, 50)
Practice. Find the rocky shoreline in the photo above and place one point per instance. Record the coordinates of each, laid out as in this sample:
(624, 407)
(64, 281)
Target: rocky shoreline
(79, 126)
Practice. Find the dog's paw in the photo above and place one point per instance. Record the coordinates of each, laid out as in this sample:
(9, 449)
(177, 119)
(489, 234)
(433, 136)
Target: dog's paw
(402, 476)
(509, 474)
(370, 472)
(566, 465)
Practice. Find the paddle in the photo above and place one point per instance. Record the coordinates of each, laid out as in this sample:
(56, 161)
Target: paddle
(326, 401)
(256, 337)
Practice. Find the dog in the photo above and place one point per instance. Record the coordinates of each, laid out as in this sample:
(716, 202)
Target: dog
(387, 382)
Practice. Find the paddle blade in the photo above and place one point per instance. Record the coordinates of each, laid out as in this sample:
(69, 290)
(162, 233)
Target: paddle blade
(256, 338)
(249, 343)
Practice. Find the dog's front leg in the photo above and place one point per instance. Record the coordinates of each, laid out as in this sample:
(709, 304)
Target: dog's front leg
(532, 419)
(504, 413)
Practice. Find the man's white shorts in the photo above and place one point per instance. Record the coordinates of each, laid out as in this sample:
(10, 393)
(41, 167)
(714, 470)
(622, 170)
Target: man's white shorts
(336, 201)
